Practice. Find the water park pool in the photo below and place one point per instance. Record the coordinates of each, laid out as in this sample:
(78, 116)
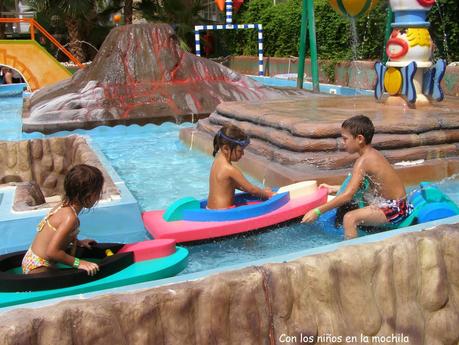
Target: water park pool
(289, 80)
(158, 169)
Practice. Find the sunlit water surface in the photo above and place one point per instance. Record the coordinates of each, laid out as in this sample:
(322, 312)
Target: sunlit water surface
(158, 169)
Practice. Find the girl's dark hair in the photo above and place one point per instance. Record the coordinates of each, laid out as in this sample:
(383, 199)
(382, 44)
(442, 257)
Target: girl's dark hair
(360, 124)
(232, 136)
(81, 183)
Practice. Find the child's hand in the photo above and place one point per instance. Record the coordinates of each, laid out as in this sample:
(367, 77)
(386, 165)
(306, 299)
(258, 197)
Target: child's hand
(331, 189)
(268, 193)
(87, 243)
(310, 217)
(90, 267)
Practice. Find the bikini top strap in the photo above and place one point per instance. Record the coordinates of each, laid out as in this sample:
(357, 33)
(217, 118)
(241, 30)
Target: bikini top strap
(78, 219)
(75, 212)
(45, 220)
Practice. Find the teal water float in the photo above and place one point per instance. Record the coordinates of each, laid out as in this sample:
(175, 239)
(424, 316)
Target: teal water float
(429, 204)
(119, 265)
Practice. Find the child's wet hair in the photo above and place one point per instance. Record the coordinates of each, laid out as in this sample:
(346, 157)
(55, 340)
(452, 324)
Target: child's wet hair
(232, 136)
(81, 183)
(360, 125)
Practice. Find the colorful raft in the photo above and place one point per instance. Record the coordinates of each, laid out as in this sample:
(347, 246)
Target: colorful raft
(188, 219)
(429, 203)
(119, 265)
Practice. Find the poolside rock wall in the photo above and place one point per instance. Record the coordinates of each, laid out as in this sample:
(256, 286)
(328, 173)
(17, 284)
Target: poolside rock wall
(301, 138)
(140, 75)
(406, 287)
(38, 167)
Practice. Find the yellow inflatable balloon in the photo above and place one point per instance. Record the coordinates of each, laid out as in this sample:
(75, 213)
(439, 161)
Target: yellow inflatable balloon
(353, 8)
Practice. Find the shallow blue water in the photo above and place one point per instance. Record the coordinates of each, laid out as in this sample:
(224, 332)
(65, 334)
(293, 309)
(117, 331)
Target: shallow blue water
(323, 88)
(155, 165)
(10, 118)
(158, 169)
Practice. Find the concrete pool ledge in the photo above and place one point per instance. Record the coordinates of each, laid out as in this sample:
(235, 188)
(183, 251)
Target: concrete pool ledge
(116, 218)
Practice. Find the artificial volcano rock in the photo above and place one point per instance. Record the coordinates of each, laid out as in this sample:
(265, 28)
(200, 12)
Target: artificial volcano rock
(140, 75)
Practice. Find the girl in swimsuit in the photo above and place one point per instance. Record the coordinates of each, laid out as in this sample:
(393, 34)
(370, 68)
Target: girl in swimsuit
(83, 187)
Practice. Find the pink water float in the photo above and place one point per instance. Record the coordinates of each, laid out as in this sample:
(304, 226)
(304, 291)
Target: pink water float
(188, 219)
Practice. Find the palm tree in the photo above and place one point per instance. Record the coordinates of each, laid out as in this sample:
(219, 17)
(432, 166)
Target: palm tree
(128, 11)
(5, 5)
(73, 12)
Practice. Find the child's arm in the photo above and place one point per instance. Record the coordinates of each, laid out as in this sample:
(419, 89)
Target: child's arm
(55, 250)
(332, 189)
(353, 186)
(246, 186)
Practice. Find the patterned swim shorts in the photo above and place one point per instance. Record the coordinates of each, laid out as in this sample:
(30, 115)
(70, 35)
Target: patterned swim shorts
(396, 210)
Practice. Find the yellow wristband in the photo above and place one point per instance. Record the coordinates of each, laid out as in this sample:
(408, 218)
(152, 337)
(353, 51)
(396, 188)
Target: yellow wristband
(317, 211)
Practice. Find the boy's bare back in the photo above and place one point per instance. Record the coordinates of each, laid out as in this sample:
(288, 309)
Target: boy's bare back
(224, 179)
(221, 184)
(229, 144)
(383, 176)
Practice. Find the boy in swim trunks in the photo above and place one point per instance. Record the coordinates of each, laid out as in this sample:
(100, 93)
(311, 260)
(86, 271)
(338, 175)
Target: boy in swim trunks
(357, 133)
(229, 145)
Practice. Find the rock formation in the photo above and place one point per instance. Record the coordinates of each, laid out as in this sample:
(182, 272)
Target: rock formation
(303, 135)
(38, 167)
(406, 287)
(139, 75)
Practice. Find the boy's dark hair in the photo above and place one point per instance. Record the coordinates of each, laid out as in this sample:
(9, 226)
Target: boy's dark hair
(232, 136)
(81, 183)
(360, 124)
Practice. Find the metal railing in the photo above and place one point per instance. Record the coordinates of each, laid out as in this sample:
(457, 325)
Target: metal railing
(34, 25)
(14, 30)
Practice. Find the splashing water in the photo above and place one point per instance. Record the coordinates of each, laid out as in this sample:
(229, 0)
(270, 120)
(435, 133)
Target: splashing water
(374, 197)
(354, 40)
(78, 41)
(355, 55)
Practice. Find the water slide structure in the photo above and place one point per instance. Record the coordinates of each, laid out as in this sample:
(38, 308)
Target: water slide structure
(38, 67)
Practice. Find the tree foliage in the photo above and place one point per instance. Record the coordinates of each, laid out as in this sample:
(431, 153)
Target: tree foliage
(181, 14)
(334, 33)
(281, 25)
(76, 22)
(445, 29)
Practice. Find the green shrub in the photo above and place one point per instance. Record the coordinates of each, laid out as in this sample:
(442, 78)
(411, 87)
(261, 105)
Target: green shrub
(444, 29)
(281, 30)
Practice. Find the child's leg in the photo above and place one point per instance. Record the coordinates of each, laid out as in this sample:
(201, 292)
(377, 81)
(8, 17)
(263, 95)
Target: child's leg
(370, 215)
